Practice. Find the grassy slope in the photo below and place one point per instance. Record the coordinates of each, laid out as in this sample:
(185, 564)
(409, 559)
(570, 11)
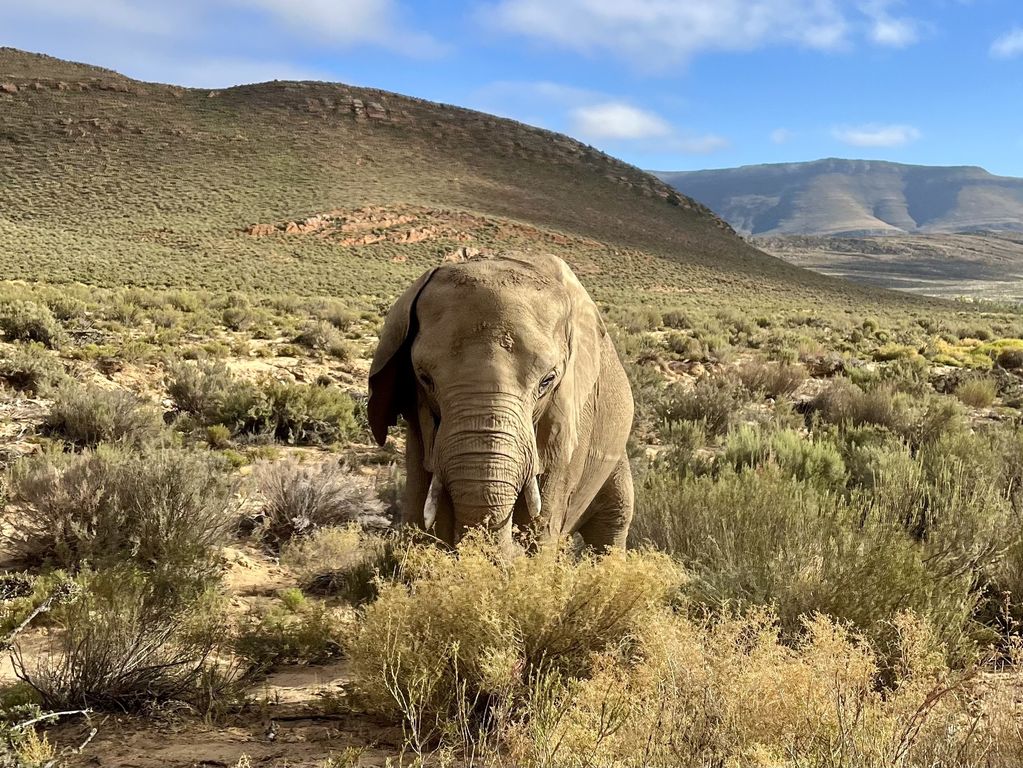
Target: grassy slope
(110, 181)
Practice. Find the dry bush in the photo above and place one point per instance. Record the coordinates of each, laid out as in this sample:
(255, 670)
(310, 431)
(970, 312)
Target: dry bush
(300, 498)
(977, 392)
(127, 643)
(87, 415)
(550, 661)
(772, 379)
(165, 509)
(323, 336)
(28, 321)
(473, 629)
(30, 368)
(346, 561)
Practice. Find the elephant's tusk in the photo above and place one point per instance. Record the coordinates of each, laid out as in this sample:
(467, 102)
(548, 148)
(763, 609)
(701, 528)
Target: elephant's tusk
(532, 491)
(432, 499)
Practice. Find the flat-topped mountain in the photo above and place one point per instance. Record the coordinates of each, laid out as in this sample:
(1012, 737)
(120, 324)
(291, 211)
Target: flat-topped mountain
(855, 197)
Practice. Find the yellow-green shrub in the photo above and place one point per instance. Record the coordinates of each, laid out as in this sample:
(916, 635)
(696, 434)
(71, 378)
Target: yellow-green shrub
(470, 630)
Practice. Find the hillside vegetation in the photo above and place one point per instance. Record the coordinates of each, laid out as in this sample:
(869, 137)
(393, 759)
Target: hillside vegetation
(199, 559)
(855, 197)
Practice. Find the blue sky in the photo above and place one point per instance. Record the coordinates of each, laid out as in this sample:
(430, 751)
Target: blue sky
(664, 84)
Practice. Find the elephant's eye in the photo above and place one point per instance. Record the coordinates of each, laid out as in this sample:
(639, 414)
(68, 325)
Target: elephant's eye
(425, 380)
(547, 381)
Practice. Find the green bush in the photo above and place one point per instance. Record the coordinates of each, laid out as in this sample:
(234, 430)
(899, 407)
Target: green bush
(712, 400)
(977, 392)
(297, 630)
(30, 368)
(167, 510)
(310, 414)
(87, 415)
(814, 462)
(764, 538)
(28, 321)
(844, 403)
(323, 336)
(300, 414)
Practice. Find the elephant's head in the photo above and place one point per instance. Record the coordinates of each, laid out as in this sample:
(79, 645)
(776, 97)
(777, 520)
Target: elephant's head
(491, 362)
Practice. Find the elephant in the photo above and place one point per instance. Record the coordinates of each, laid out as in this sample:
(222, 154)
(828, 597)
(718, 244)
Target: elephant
(517, 406)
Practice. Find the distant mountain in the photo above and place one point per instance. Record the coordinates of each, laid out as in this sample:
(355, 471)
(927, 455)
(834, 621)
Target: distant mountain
(855, 197)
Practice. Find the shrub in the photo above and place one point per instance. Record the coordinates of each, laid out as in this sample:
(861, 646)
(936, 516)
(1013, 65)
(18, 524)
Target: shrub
(127, 645)
(310, 414)
(771, 379)
(300, 414)
(550, 661)
(324, 336)
(218, 436)
(202, 389)
(295, 630)
(87, 415)
(977, 393)
(473, 629)
(300, 498)
(346, 562)
(844, 403)
(815, 462)
(761, 538)
(713, 401)
(166, 510)
(28, 321)
(30, 368)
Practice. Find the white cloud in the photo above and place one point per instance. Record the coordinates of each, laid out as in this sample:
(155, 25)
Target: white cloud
(780, 135)
(1009, 45)
(348, 23)
(618, 120)
(192, 30)
(658, 33)
(888, 30)
(143, 17)
(701, 145)
(876, 135)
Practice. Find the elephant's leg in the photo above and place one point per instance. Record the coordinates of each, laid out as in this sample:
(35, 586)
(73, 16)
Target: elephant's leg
(610, 512)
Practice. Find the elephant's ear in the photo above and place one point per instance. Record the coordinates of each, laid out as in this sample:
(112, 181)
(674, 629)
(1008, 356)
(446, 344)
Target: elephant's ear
(391, 379)
(586, 332)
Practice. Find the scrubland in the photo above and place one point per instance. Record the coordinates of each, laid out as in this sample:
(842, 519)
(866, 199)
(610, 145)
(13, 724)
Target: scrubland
(826, 565)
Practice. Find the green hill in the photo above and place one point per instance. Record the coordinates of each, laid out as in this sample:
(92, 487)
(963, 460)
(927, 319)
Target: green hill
(111, 181)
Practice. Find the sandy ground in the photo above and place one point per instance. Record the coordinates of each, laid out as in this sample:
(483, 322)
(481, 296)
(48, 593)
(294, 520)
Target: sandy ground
(296, 717)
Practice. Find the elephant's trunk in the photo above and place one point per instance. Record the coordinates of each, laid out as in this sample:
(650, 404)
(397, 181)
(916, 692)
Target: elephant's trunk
(486, 461)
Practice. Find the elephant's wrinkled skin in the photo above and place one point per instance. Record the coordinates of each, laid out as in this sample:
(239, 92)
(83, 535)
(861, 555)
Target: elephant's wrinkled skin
(505, 375)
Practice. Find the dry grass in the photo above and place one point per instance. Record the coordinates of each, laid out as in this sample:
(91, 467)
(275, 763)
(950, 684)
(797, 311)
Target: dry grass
(548, 661)
(299, 499)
